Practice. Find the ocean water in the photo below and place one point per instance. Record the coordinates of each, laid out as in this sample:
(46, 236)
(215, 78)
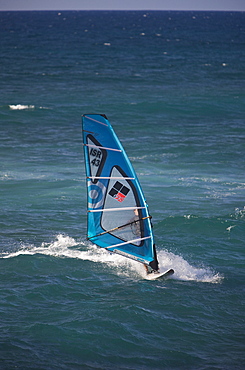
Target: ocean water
(172, 85)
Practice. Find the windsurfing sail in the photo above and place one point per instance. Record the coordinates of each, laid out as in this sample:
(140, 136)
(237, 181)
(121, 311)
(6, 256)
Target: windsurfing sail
(118, 216)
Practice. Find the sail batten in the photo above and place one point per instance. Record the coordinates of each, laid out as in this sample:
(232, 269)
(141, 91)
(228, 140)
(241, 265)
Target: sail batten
(115, 209)
(101, 147)
(117, 214)
(92, 119)
(109, 177)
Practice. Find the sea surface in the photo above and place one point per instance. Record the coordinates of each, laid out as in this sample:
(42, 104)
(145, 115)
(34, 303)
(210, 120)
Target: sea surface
(172, 85)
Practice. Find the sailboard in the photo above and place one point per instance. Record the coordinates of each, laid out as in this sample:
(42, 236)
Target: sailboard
(118, 218)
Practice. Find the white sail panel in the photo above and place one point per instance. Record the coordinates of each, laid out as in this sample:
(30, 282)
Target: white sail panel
(121, 194)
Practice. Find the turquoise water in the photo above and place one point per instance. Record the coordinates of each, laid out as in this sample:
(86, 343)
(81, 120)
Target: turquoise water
(172, 85)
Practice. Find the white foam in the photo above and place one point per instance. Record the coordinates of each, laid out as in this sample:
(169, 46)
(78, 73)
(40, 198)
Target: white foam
(186, 272)
(239, 213)
(21, 107)
(230, 227)
(61, 247)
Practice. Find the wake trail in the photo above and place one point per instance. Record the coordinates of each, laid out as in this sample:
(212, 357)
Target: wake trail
(65, 246)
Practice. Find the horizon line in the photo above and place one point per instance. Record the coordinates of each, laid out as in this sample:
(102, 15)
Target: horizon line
(121, 10)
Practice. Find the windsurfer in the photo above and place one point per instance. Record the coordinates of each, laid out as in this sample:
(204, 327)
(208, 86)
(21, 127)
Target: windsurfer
(153, 265)
(135, 224)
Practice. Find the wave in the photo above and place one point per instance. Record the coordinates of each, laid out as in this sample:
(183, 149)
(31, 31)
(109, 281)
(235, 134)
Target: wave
(22, 107)
(186, 272)
(63, 246)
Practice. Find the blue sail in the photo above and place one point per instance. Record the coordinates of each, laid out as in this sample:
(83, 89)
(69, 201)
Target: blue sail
(118, 217)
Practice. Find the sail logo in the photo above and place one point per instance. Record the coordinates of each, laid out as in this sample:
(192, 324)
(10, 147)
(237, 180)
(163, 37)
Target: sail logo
(96, 194)
(96, 157)
(97, 154)
(119, 192)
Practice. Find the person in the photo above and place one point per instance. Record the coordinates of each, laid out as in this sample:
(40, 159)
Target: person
(153, 266)
(135, 225)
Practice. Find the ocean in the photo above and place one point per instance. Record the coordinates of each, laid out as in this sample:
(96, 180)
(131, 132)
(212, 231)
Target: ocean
(172, 86)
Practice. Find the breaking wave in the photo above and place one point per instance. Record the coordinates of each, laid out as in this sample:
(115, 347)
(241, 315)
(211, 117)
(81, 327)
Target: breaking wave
(23, 107)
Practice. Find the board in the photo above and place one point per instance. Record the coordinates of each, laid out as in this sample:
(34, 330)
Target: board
(157, 275)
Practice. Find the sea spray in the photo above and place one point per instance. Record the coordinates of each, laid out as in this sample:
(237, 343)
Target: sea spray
(64, 246)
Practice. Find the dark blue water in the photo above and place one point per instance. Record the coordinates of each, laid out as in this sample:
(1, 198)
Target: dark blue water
(172, 85)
